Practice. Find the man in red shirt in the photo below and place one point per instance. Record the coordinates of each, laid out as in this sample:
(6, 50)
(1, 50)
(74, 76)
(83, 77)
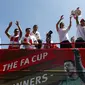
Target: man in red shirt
(27, 40)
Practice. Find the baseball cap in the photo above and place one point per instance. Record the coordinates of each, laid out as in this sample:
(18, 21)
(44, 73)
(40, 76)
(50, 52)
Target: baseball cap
(82, 20)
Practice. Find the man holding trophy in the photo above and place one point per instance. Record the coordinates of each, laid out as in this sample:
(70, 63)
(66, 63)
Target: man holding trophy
(80, 34)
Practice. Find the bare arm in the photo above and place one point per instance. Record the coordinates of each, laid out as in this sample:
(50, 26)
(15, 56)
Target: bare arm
(57, 28)
(77, 21)
(78, 61)
(70, 24)
(6, 31)
(79, 65)
(17, 23)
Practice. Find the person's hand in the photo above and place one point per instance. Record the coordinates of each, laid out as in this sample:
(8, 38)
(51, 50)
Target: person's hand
(17, 23)
(76, 17)
(10, 24)
(76, 50)
(24, 43)
(78, 7)
(76, 54)
(70, 17)
(62, 17)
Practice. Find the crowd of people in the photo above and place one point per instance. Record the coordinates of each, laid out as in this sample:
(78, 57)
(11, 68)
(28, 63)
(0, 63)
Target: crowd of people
(32, 39)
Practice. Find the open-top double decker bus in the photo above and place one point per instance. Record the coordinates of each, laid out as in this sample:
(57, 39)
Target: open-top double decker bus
(34, 67)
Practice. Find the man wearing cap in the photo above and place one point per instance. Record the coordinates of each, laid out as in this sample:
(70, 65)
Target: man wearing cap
(14, 39)
(80, 34)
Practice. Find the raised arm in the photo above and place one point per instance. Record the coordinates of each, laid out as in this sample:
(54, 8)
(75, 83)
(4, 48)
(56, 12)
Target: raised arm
(57, 28)
(77, 21)
(70, 23)
(79, 65)
(17, 23)
(6, 31)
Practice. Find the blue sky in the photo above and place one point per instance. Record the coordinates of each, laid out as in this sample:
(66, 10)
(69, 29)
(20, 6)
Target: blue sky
(44, 13)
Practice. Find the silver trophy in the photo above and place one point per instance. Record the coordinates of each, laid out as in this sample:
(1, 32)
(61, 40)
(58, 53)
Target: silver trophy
(76, 13)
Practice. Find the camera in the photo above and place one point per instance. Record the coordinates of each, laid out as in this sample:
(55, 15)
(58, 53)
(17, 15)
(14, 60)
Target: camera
(48, 36)
(49, 33)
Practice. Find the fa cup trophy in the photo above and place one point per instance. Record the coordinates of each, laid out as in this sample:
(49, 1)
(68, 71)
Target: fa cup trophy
(76, 13)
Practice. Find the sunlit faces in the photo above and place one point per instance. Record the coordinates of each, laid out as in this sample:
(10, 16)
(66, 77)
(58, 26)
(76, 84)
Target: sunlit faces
(28, 30)
(16, 31)
(35, 28)
(61, 25)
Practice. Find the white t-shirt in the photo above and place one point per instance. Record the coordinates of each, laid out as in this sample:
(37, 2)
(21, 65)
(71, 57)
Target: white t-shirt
(34, 40)
(80, 32)
(63, 34)
(37, 35)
